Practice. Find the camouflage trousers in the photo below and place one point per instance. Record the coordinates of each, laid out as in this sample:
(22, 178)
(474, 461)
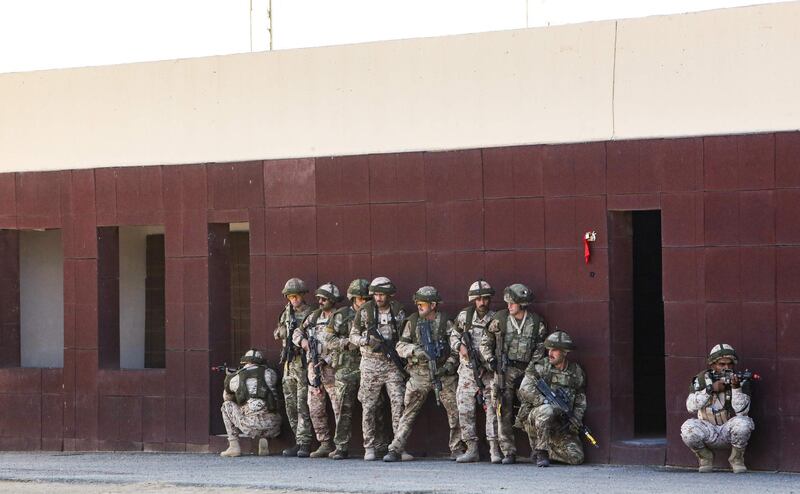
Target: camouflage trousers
(505, 430)
(378, 371)
(465, 397)
(295, 395)
(698, 434)
(417, 389)
(317, 403)
(547, 430)
(239, 420)
(346, 386)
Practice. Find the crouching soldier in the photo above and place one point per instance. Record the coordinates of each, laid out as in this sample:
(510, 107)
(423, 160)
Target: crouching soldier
(551, 435)
(250, 405)
(425, 342)
(721, 400)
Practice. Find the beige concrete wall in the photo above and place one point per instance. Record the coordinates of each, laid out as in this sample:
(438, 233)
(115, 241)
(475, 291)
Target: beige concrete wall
(707, 73)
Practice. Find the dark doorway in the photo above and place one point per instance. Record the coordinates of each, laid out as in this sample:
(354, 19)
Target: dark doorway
(240, 293)
(648, 326)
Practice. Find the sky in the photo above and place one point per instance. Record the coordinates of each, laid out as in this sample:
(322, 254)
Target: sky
(46, 34)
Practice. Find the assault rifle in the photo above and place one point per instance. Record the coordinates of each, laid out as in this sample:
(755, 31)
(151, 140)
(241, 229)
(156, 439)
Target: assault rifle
(287, 353)
(475, 365)
(313, 352)
(386, 346)
(726, 376)
(560, 401)
(223, 368)
(501, 363)
(433, 349)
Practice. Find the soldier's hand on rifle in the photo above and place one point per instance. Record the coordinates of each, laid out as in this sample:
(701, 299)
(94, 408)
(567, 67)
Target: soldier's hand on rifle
(374, 343)
(735, 381)
(304, 344)
(445, 370)
(420, 354)
(492, 364)
(462, 350)
(718, 386)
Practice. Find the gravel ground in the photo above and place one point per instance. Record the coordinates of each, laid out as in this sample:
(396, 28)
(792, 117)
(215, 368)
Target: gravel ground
(160, 472)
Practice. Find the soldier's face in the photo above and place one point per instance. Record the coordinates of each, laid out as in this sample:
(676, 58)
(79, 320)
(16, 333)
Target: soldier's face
(295, 299)
(324, 303)
(381, 299)
(359, 301)
(722, 365)
(482, 305)
(513, 308)
(425, 308)
(556, 356)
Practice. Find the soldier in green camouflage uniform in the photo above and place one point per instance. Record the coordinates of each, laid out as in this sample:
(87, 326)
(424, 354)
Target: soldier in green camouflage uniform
(295, 382)
(377, 370)
(430, 319)
(474, 319)
(250, 404)
(345, 359)
(310, 333)
(522, 333)
(550, 433)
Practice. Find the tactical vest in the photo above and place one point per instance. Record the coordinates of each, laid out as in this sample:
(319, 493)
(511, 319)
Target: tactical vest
(343, 358)
(242, 394)
(283, 321)
(700, 383)
(569, 380)
(394, 310)
(519, 347)
(439, 334)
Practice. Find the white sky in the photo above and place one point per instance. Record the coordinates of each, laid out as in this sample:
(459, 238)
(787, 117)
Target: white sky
(43, 34)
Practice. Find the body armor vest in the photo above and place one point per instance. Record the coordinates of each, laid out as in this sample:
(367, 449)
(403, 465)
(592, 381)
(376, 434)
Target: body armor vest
(242, 394)
(519, 347)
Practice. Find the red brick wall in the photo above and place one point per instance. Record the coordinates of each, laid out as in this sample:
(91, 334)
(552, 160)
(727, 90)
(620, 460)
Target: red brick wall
(731, 263)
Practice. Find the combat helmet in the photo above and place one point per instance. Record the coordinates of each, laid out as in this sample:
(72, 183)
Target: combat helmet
(252, 356)
(517, 294)
(427, 294)
(358, 288)
(382, 284)
(294, 286)
(559, 340)
(720, 351)
(329, 291)
(479, 289)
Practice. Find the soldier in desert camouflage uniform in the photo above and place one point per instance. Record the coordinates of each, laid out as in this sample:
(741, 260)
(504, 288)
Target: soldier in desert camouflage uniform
(430, 321)
(522, 333)
(320, 376)
(250, 404)
(474, 319)
(295, 381)
(722, 410)
(550, 434)
(345, 359)
(377, 370)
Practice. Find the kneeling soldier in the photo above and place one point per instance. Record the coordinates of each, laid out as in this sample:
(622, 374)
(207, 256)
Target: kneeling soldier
(721, 409)
(432, 366)
(552, 436)
(250, 404)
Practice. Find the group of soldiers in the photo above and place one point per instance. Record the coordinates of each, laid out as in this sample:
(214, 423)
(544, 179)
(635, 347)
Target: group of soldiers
(480, 360)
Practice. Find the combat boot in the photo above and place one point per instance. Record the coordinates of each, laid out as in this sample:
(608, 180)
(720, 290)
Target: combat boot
(323, 450)
(736, 459)
(405, 456)
(290, 451)
(339, 454)
(542, 458)
(705, 458)
(471, 454)
(392, 456)
(263, 447)
(494, 451)
(303, 451)
(510, 459)
(369, 454)
(456, 453)
(233, 448)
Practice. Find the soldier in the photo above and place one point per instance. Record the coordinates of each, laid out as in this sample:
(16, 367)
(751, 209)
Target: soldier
(345, 359)
(295, 382)
(721, 409)
(473, 320)
(250, 404)
(425, 342)
(550, 434)
(514, 338)
(384, 317)
(320, 373)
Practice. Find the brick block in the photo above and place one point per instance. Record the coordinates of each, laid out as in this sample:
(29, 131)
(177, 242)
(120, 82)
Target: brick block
(683, 274)
(393, 177)
(343, 180)
(289, 182)
(513, 171)
(560, 223)
(455, 175)
(343, 229)
(788, 274)
(787, 159)
(757, 217)
(721, 218)
(454, 225)
(397, 227)
(723, 282)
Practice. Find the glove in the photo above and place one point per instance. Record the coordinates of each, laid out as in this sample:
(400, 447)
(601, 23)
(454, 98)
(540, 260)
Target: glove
(492, 363)
(445, 370)
(420, 354)
(374, 343)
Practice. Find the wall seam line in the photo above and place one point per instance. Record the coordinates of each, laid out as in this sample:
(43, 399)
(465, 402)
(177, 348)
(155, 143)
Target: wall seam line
(614, 82)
